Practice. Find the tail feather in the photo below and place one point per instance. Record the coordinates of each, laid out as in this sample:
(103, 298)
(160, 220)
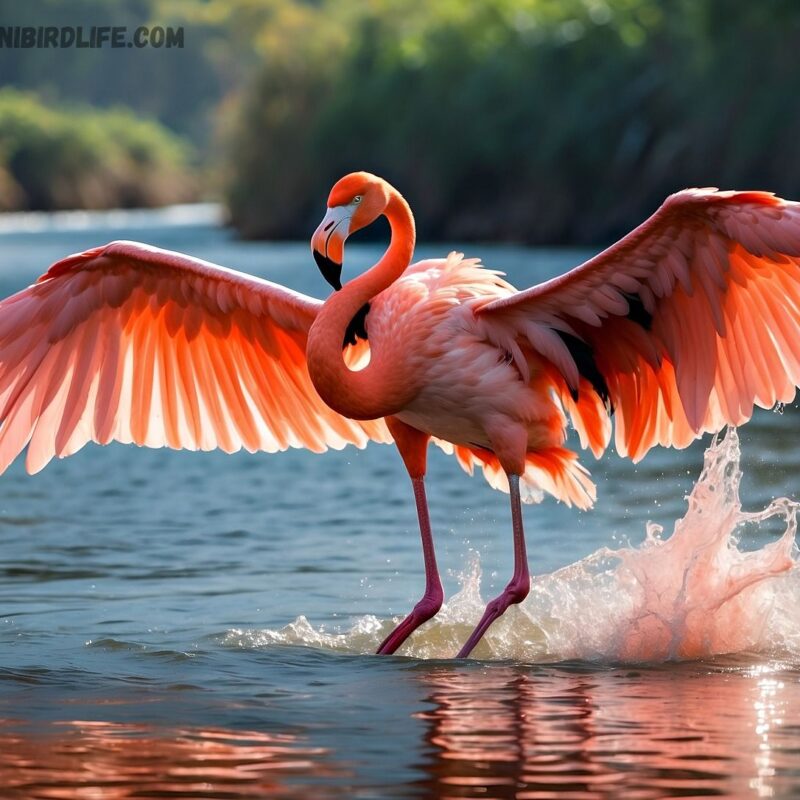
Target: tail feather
(554, 470)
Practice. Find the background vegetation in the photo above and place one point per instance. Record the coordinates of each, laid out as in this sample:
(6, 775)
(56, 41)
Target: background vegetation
(529, 120)
(79, 157)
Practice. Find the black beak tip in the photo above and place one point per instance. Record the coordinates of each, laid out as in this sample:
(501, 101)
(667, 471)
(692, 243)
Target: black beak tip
(331, 271)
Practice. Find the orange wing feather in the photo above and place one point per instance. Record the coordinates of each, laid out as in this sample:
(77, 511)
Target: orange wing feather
(692, 319)
(131, 343)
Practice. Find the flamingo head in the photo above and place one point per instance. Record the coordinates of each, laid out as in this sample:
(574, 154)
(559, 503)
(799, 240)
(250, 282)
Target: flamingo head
(355, 201)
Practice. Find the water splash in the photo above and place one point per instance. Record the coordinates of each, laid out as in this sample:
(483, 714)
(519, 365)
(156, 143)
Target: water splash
(691, 595)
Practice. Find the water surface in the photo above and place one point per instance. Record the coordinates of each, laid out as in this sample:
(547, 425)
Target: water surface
(201, 625)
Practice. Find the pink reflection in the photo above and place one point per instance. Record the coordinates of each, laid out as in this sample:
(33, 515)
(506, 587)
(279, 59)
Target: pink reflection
(487, 732)
(511, 733)
(109, 761)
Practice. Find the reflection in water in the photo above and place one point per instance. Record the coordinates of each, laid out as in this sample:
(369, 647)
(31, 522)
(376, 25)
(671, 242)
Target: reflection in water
(509, 732)
(351, 724)
(728, 729)
(111, 761)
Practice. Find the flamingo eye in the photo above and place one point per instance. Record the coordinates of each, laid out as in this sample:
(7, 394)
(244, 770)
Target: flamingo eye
(357, 199)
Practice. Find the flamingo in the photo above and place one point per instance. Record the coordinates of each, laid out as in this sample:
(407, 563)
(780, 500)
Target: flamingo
(681, 327)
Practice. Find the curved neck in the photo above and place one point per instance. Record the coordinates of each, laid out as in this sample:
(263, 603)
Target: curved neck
(379, 389)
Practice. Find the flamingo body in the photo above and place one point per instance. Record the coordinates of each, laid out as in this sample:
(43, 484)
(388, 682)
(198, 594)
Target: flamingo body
(467, 385)
(681, 327)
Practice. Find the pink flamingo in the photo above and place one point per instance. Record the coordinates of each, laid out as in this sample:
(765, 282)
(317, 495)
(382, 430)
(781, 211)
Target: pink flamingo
(679, 328)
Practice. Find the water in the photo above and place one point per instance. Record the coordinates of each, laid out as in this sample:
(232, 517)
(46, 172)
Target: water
(201, 625)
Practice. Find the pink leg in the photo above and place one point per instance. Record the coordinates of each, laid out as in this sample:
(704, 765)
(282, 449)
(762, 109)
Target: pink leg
(520, 583)
(431, 601)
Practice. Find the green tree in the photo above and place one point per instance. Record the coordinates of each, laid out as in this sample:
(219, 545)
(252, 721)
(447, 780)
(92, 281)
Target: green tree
(529, 120)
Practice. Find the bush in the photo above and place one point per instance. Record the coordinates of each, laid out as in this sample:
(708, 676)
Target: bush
(78, 157)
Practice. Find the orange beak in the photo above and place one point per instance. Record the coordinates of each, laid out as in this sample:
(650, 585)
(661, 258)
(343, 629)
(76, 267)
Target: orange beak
(327, 244)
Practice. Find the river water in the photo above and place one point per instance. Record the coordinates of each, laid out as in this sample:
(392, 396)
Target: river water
(201, 625)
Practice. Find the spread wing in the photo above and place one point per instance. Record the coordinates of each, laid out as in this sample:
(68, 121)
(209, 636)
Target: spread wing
(132, 343)
(686, 323)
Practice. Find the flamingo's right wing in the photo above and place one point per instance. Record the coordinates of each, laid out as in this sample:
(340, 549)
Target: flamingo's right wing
(132, 343)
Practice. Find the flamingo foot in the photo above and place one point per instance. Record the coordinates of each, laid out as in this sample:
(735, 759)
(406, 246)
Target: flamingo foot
(516, 591)
(427, 607)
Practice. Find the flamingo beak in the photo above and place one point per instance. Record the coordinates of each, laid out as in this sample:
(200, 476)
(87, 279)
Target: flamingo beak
(327, 244)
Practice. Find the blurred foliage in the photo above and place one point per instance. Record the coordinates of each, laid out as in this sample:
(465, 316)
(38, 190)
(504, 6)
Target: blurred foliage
(179, 87)
(78, 157)
(529, 120)
(190, 90)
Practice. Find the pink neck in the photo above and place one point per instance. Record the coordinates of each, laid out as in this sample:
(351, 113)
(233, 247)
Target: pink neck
(380, 389)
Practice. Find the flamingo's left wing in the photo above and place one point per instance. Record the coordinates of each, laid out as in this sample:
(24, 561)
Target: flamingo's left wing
(132, 343)
(685, 324)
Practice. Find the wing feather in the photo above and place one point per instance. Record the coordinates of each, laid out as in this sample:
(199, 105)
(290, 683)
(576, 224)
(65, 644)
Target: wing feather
(692, 318)
(131, 343)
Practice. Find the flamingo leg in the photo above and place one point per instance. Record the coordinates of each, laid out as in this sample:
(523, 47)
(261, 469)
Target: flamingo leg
(519, 585)
(431, 601)
(412, 445)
